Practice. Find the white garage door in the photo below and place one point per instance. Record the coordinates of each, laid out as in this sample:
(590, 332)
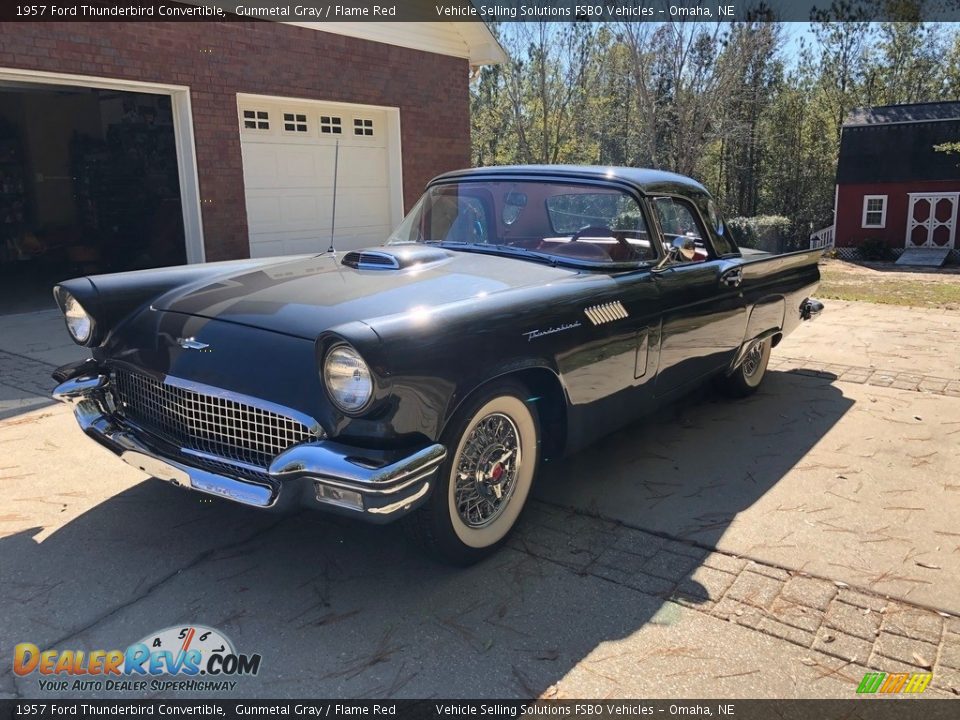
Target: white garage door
(288, 153)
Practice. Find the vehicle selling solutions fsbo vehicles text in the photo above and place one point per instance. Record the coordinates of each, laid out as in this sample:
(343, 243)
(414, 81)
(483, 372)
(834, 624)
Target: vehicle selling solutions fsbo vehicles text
(609, 12)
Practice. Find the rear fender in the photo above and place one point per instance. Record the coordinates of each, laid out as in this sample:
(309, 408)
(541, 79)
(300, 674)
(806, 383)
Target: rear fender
(766, 321)
(767, 315)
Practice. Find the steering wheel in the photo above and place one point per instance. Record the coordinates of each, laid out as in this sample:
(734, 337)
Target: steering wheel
(604, 231)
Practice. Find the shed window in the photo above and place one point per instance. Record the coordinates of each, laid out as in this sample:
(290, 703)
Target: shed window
(874, 211)
(294, 122)
(362, 126)
(256, 120)
(331, 125)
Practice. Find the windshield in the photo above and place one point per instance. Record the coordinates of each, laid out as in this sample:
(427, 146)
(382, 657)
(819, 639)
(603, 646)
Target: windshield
(587, 223)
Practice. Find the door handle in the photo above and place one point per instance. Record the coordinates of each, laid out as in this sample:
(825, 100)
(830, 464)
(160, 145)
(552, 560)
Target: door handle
(732, 278)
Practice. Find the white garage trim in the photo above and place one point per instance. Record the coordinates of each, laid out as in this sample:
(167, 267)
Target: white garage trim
(470, 40)
(182, 132)
(277, 130)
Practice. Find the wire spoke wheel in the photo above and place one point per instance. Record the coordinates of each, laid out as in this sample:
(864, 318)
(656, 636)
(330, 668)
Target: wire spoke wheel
(493, 451)
(746, 377)
(486, 470)
(753, 361)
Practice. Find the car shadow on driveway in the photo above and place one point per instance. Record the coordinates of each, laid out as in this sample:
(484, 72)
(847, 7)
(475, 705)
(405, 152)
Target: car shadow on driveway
(341, 609)
(688, 471)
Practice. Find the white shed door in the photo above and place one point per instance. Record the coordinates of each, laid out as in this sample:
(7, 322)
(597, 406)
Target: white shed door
(288, 166)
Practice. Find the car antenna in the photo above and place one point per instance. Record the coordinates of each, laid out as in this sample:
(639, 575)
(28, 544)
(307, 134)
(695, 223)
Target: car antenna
(333, 213)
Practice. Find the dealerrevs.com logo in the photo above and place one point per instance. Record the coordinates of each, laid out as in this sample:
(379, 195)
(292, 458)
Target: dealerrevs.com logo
(178, 658)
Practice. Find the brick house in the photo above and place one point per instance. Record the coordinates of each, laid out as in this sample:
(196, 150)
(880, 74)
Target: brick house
(892, 186)
(141, 144)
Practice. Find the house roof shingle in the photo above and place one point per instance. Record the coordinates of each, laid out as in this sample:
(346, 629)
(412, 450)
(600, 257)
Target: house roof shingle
(892, 114)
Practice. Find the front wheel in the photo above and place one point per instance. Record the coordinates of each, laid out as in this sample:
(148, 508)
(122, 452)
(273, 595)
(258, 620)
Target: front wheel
(493, 446)
(748, 375)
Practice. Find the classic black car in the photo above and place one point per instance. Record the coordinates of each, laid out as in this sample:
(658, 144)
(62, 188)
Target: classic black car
(516, 314)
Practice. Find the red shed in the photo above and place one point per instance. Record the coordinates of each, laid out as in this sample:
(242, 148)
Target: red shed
(892, 186)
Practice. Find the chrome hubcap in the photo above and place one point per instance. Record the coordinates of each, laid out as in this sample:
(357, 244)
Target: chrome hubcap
(751, 363)
(486, 471)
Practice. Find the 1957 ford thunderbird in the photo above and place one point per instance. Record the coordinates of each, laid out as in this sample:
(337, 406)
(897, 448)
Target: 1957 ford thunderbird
(516, 314)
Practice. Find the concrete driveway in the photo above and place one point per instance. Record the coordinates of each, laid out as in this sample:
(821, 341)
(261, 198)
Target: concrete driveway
(779, 546)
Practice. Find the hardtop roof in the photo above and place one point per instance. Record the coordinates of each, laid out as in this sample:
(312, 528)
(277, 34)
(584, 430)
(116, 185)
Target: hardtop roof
(647, 181)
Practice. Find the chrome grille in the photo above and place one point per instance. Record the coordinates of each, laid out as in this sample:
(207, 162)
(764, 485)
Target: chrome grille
(206, 423)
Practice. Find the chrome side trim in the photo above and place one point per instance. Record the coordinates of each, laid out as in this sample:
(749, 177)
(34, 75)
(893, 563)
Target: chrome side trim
(607, 312)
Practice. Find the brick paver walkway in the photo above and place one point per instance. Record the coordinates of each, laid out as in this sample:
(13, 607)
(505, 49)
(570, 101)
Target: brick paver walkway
(856, 625)
(868, 376)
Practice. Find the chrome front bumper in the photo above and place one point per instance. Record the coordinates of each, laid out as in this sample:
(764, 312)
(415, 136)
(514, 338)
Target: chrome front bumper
(378, 486)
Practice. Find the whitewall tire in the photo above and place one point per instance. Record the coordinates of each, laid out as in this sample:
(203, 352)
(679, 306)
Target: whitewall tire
(493, 452)
(747, 376)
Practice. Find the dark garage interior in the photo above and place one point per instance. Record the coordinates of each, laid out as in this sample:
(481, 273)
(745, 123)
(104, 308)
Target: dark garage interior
(88, 184)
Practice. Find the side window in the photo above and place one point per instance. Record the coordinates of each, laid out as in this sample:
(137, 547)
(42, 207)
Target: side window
(613, 212)
(678, 219)
(721, 238)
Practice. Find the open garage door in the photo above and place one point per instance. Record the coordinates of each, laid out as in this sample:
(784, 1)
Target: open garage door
(90, 182)
(288, 167)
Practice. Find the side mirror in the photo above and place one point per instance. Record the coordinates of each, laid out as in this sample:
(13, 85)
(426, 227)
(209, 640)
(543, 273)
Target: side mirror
(683, 248)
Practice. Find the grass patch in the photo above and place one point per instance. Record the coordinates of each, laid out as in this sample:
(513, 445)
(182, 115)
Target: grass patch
(893, 289)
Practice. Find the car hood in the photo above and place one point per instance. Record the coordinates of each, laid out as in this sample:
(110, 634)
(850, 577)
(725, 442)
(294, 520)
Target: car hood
(306, 296)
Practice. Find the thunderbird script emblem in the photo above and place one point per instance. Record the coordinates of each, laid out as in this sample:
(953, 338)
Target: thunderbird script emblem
(191, 344)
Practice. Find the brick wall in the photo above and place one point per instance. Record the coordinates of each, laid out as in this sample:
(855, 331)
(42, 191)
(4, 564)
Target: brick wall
(219, 60)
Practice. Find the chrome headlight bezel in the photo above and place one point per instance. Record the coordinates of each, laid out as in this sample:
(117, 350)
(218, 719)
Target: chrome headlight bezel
(347, 355)
(80, 323)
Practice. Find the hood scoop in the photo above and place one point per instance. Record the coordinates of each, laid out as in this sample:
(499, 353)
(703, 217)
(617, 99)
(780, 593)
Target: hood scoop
(404, 256)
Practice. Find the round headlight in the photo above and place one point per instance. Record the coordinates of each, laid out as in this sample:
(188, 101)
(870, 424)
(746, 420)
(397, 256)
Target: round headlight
(347, 378)
(79, 323)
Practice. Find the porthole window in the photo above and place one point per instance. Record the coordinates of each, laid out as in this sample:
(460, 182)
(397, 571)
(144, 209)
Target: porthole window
(363, 126)
(294, 122)
(331, 125)
(256, 120)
